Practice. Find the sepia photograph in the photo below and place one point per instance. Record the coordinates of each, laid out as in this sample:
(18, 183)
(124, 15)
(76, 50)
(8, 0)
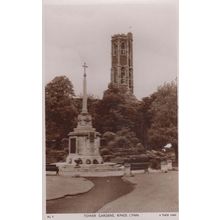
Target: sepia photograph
(110, 84)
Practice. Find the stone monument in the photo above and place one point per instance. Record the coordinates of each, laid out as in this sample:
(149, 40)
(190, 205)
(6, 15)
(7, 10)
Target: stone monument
(84, 141)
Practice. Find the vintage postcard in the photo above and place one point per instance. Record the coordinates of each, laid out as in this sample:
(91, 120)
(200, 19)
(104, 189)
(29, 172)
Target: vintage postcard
(110, 109)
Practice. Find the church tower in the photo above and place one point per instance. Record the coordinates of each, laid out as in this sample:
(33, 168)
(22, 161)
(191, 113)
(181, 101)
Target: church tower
(122, 61)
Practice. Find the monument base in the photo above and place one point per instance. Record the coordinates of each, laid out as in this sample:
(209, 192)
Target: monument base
(83, 159)
(93, 170)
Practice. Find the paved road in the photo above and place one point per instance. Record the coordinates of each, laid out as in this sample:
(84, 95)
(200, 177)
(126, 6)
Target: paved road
(106, 189)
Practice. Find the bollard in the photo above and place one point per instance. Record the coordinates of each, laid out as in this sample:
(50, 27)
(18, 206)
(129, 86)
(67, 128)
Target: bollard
(164, 167)
(127, 169)
(169, 165)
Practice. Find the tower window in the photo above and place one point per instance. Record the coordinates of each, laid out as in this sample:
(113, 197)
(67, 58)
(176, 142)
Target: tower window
(130, 80)
(122, 48)
(115, 75)
(114, 49)
(122, 75)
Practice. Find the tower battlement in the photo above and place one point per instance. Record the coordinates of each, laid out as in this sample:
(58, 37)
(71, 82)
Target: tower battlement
(122, 60)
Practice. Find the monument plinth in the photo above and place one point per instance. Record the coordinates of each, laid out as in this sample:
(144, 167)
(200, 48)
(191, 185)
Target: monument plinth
(84, 141)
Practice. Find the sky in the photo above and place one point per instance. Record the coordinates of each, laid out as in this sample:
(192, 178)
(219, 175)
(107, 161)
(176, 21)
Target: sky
(75, 32)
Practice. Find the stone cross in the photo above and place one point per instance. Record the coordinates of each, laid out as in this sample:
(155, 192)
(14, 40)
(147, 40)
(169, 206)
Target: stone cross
(84, 106)
(84, 67)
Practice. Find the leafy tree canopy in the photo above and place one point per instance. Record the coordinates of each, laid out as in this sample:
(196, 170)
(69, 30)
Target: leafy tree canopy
(122, 145)
(60, 109)
(163, 111)
(116, 111)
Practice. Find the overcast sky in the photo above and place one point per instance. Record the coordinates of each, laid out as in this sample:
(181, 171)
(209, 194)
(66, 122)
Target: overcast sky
(78, 32)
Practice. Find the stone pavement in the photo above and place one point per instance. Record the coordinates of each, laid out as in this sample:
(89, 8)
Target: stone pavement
(59, 186)
(154, 192)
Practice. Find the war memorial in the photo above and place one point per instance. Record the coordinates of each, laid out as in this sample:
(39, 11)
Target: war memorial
(84, 158)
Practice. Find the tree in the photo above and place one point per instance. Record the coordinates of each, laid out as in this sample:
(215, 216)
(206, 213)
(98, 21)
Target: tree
(121, 145)
(116, 111)
(163, 111)
(116, 117)
(60, 109)
(144, 119)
